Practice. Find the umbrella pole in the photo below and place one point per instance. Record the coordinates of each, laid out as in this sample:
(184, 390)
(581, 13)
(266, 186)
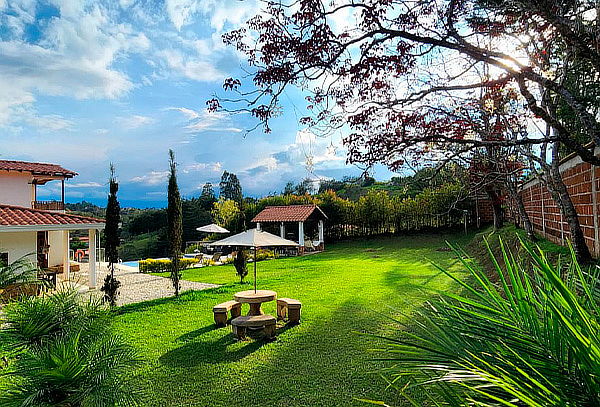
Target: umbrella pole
(254, 269)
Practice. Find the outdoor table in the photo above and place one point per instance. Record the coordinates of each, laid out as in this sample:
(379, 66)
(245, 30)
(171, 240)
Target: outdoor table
(255, 299)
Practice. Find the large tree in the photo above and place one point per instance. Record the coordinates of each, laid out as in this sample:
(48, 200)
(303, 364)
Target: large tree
(112, 235)
(230, 187)
(395, 73)
(207, 197)
(174, 223)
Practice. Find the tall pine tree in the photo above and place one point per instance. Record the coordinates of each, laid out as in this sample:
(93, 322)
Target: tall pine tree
(112, 235)
(174, 223)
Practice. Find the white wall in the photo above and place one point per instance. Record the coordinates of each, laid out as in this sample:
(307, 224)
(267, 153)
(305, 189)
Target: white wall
(15, 189)
(19, 244)
(56, 242)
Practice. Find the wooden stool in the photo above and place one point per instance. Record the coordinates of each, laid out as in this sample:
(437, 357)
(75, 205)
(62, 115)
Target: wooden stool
(267, 322)
(220, 312)
(290, 308)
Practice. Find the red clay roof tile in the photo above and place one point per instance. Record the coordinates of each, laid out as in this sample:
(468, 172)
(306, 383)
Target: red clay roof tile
(36, 168)
(290, 213)
(20, 216)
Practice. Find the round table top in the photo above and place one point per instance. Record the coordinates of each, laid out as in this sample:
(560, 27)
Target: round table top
(249, 296)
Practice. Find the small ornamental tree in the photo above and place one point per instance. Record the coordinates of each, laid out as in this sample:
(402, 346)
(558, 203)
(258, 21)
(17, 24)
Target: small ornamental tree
(112, 235)
(174, 223)
(239, 262)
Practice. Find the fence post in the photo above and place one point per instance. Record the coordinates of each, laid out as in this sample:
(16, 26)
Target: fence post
(595, 211)
(543, 211)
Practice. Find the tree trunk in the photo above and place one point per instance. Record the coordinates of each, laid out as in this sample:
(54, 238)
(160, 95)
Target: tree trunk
(511, 187)
(561, 195)
(496, 207)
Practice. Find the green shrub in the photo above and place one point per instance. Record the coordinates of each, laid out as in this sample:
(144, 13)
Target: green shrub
(532, 339)
(240, 264)
(164, 265)
(66, 354)
(262, 254)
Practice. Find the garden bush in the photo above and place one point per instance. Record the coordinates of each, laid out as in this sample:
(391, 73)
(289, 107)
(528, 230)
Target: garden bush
(164, 265)
(530, 339)
(65, 353)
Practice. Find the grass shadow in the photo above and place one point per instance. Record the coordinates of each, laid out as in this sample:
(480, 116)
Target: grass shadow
(186, 296)
(221, 350)
(194, 334)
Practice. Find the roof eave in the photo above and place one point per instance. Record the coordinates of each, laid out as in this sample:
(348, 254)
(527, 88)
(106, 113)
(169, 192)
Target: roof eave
(51, 227)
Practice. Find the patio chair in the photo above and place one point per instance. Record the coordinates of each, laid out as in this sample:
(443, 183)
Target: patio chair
(308, 245)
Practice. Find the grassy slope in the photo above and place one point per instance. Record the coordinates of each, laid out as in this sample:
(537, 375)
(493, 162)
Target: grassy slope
(323, 362)
(510, 236)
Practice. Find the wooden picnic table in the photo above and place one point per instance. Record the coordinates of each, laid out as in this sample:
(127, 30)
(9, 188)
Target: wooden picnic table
(255, 299)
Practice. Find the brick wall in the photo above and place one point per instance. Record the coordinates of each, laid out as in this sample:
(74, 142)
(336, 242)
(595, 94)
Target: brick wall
(579, 177)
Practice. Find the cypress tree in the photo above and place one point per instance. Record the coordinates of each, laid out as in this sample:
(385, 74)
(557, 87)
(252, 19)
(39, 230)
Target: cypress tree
(174, 223)
(112, 235)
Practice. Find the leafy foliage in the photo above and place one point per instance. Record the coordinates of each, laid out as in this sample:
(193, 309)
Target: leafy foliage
(67, 354)
(174, 221)
(112, 236)
(164, 265)
(529, 340)
(227, 213)
(230, 188)
(240, 263)
(21, 271)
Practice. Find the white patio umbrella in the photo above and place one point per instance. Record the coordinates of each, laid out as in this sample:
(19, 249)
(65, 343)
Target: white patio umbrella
(254, 238)
(212, 228)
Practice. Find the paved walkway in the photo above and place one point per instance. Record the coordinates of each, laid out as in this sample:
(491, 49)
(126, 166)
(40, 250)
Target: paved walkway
(136, 286)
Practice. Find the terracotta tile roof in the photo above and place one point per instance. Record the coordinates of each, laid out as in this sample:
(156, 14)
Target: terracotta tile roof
(20, 216)
(290, 213)
(36, 168)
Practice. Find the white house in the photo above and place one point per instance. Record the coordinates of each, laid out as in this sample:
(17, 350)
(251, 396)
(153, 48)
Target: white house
(39, 229)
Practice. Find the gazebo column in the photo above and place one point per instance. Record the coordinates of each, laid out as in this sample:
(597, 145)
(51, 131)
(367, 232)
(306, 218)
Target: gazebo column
(66, 264)
(282, 230)
(321, 233)
(92, 258)
(301, 233)
(257, 225)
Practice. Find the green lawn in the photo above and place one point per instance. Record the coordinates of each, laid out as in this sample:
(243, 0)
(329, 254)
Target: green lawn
(325, 361)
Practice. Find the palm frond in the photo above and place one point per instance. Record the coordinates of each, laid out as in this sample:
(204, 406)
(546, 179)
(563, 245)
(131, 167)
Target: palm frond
(530, 339)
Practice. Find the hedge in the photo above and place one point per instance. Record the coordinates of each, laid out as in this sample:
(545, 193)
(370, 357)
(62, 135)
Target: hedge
(164, 265)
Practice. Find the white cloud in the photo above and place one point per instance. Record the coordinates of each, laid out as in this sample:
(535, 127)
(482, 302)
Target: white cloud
(152, 178)
(189, 66)
(215, 167)
(180, 11)
(83, 185)
(203, 120)
(189, 113)
(74, 57)
(135, 121)
(222, 14)
(51, 122)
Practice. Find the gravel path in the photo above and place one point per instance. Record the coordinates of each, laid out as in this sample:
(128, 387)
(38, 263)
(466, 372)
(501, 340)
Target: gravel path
(138, 287)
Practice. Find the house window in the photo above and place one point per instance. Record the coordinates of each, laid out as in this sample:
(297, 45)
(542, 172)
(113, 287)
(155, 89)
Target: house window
(3, 259)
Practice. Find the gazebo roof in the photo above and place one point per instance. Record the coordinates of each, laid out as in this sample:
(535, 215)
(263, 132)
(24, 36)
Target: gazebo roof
(290, 213)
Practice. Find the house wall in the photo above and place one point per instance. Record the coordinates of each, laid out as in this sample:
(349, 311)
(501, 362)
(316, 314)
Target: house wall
(56, 242)
(15, 189)
(19, 244)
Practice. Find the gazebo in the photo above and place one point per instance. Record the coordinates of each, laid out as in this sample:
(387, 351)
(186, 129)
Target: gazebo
(310, 221)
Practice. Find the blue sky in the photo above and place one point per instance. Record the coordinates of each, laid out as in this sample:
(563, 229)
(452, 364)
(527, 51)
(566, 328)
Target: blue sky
(84, 84)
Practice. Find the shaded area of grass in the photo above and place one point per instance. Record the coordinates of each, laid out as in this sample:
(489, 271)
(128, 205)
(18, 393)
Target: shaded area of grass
(353, 287)
(510, 235)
